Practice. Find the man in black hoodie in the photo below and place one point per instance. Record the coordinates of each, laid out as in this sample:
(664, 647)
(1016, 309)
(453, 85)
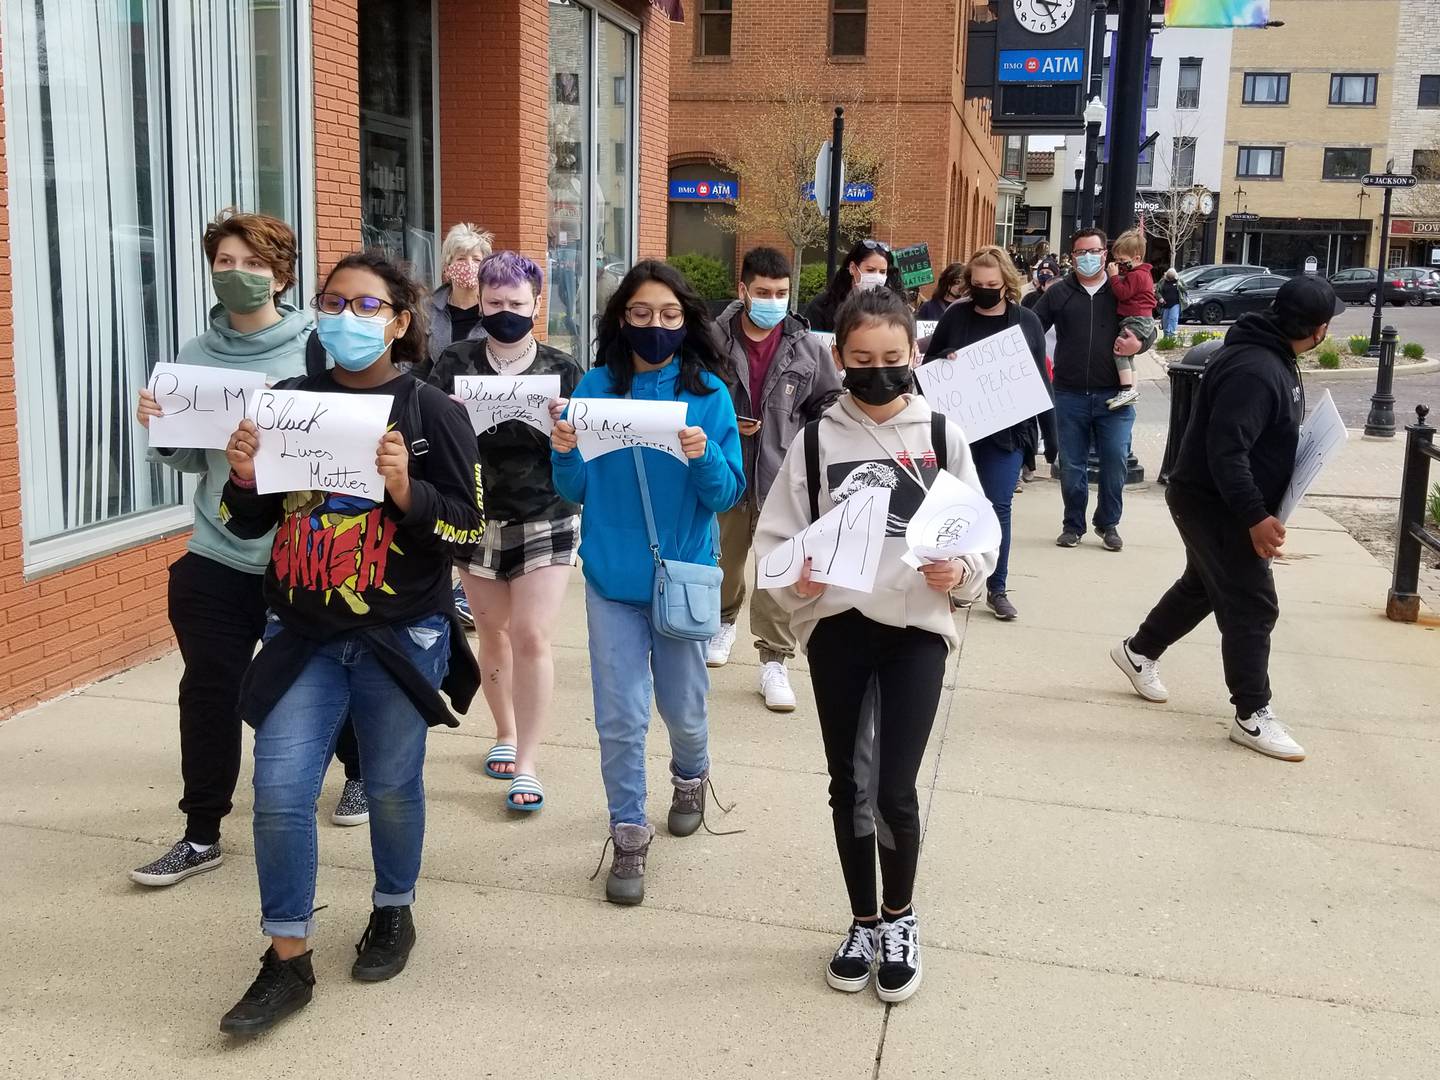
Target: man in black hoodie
(1235, 463)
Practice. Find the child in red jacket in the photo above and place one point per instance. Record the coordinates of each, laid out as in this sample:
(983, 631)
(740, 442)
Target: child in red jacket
(1134, 289)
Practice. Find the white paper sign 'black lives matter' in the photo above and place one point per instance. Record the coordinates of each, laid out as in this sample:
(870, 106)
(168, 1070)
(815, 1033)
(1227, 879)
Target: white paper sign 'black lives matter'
(844, 546)
(494, 399)
(954, 519)
(319, 442)
(200, 406)
(605, 424)
(986, 387)
(1320, 441)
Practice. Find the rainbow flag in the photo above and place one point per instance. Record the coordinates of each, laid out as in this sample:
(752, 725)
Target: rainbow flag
(1217, 13)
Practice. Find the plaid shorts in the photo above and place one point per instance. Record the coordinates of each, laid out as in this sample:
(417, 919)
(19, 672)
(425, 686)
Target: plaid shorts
(512, 548)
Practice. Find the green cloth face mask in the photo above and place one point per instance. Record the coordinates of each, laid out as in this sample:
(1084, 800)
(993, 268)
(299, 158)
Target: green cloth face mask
(242, 292)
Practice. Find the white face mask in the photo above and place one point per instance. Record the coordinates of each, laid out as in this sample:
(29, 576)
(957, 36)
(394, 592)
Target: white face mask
(871, 279)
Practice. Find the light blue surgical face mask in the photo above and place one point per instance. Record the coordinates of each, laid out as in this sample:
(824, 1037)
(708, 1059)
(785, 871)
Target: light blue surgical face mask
(1089, 263)
(768, 312)
(355, 343)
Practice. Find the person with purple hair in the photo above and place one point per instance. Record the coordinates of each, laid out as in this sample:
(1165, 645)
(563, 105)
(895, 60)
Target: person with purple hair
(516, 579)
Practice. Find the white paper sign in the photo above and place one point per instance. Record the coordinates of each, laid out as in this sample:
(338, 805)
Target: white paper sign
(494, 399)
(954, 519)
(925, 327)
(319, 442)
(988, 386)
(844, 546)
(1321, 438)
(201, 406)
(825, 339)
(606, 424)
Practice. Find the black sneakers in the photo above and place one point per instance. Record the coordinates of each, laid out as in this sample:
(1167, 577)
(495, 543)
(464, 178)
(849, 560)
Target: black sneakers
(282, 987)
(1067, 539)
(899, 953)
(849, 969)
(353, 808)
(385, 946)
(1110, 537)
(180, 862)
(1000, 604)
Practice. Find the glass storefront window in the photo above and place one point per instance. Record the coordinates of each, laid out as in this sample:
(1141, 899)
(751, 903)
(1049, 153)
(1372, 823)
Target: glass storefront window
(614, 208)
(115, 163)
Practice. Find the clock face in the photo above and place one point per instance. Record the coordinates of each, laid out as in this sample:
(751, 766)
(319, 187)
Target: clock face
(1043, 16)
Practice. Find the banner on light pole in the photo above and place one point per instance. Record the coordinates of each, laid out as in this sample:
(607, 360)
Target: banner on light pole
(1223, 14)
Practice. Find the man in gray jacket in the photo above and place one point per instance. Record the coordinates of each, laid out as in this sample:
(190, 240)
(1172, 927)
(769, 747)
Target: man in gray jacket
(784, 378)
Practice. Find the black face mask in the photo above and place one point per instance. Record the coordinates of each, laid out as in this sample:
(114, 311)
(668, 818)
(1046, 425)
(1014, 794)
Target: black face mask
(878, 385)
(986, 298)
(507, 327)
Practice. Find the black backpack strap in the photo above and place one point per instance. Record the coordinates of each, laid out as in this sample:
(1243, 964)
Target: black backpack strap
(939, 441)
(812, 466)
(314, 356)
(415, 426)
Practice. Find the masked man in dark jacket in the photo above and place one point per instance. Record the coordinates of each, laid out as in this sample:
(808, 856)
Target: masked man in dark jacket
(784, 378)
(1235, 464)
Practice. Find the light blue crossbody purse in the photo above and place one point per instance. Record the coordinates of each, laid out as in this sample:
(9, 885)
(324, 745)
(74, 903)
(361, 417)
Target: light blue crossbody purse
(685, 599)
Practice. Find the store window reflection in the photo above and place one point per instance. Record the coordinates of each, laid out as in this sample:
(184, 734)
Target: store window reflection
(614, 213)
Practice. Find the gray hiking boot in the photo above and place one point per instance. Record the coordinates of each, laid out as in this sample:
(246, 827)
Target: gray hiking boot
(626, 883)
(687, 805)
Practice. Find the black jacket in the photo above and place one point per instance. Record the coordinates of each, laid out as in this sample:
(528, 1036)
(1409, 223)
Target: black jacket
(934, 308)
(957, 329)
(1085, 331)
(1239, 448)
(1169, 293)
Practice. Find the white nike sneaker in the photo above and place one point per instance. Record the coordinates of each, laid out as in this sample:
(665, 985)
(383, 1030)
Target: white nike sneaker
(717, 649)
(1143, 673)
(775, 687)
(1264, 734)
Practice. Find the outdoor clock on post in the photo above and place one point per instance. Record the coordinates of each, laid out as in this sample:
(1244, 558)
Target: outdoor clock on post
(1043, 16)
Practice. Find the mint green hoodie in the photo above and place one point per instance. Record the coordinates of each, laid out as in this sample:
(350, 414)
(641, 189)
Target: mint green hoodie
(279, 352)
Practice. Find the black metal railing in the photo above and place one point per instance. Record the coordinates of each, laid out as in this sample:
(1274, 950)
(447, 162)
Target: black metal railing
(1403, 604)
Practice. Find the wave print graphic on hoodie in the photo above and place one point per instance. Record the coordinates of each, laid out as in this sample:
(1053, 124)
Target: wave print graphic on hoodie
(845, 478)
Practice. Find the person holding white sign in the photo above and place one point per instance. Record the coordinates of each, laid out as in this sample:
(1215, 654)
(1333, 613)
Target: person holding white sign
(516, 579)
(992, 305)
(654, 344)
(894, 639)
(362, 622)
(1225, 494)
(216, 600)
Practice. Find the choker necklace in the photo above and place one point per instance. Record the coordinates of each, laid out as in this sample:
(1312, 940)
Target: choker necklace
(512, 364)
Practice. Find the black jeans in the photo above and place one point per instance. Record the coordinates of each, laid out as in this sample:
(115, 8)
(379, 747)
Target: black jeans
(1222, 575)
(872, 772)
(218, 615)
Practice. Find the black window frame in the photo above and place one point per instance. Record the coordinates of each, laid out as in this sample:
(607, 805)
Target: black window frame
(1145, 167)
(1432, 84)
(1277, 153)
(1325, 167)
(849, 9)
(1372, 88)
(714, 13)
(1247, 88)
(1178, 146)
(1152, 86)
(1196, 64)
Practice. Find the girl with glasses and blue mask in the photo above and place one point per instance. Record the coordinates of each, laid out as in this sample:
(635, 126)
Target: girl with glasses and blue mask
(361, 622)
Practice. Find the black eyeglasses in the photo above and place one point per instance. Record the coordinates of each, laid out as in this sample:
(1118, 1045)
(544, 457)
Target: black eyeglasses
(367, 307)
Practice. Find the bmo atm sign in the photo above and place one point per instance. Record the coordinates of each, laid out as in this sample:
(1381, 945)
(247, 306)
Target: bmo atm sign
(1055, 66)
(1041, 49)
(703, 190)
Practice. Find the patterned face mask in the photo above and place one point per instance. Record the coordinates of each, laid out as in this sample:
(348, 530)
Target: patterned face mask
(464, 273)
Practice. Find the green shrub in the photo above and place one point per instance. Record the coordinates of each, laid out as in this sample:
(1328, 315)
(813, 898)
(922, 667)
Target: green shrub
(1328, 358)
(1168, 342)
(1413, 350)
(1202, 335)
(706, 274)
(1432, 504)
(812, 283)
(1359, 344)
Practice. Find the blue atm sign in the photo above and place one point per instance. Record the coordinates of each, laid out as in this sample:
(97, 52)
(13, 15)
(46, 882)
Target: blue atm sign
(1055, 66)
(704, 190)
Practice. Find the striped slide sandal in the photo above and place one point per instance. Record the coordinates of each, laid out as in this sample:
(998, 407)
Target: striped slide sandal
(525, 784)
(500, 754)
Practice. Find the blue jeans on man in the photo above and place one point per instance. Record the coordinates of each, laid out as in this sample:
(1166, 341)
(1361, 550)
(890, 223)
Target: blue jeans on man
(1171, 317)
(1083, 420)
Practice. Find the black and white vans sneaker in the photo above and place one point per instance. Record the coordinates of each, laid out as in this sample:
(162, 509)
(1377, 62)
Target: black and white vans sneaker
(180, 862)
(353, 808)
(849, 969)
(899, 973)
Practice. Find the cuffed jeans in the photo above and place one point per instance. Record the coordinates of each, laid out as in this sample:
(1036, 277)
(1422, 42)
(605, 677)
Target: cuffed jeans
(627, 657)
(769, 622)
(293, 745)
(999, 472)
(1083, 419)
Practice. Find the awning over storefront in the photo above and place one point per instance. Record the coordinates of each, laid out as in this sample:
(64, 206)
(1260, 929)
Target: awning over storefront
(671, 8)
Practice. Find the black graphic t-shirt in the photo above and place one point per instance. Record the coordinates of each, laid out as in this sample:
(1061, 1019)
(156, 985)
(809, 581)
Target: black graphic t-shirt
(341, 563)
(845, 478)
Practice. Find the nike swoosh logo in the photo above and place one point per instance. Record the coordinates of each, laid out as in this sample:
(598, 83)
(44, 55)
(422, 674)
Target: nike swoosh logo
(1253, 734)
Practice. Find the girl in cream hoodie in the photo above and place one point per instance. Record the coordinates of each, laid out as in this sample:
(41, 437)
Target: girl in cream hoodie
(889, 646)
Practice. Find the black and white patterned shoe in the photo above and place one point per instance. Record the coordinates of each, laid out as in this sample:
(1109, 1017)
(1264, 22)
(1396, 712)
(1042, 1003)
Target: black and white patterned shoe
(353, 808)
(180, 862)
(899, 953)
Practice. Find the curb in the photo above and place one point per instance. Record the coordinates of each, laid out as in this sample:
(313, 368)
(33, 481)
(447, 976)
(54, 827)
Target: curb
(1423, 367)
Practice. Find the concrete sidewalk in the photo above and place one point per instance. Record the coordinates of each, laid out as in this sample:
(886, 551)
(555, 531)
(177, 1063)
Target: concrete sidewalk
(1108, 889)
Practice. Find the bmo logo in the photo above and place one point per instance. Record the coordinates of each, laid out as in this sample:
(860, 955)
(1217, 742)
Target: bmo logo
(703, 190)
(1032, 64)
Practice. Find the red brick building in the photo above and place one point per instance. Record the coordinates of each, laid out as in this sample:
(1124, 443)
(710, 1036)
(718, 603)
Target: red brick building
(907, 60)
(126, 126)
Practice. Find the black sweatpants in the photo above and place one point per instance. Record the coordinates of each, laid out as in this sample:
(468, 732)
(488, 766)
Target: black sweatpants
(1222, 575)
(218, 614)
(872, 772)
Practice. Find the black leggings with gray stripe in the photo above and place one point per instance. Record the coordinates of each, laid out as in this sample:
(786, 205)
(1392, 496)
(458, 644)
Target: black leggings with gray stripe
(874, 754)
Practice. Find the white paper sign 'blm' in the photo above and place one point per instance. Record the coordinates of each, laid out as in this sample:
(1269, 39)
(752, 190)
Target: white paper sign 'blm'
(200, 406)
(844, 546)
(988, 386)
(605, 424)
(494, 399)
(319, 442)
(1320, 441)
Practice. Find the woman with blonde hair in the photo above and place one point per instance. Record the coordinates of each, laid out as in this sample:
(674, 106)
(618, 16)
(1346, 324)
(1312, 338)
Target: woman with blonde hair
(455, 305)
(991, 306)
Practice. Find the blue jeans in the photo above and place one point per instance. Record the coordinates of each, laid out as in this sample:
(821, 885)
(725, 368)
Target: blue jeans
(293, 745)
(1083, 419)
(1171, 317)
(624, 652)
(999, 470)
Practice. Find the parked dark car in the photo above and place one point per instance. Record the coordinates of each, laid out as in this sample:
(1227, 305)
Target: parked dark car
(1425, 281)
(1199, 277)
(1357, 286)
(1231, 297)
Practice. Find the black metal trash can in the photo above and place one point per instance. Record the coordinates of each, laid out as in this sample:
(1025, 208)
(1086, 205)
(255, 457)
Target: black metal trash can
(1184, 385)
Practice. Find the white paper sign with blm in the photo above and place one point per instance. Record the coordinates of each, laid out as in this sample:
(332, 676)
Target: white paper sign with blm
(319, 442)
(844, 546)
(953, 520)
(200, 406)
(606, 424)
(493, 399)
(986, 387)
(1321, 439)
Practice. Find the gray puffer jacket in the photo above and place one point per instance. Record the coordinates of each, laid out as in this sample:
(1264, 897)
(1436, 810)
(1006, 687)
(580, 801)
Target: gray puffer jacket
(801, 384)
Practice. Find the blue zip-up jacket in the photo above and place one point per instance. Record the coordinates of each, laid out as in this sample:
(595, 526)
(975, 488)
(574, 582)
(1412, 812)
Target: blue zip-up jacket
(614, 545)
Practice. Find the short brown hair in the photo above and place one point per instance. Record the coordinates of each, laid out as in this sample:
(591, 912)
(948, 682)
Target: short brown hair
(994, 256)
(267, 236)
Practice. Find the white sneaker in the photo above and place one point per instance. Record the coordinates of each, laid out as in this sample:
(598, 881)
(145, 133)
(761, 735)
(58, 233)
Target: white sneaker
(1261, 732)
(1144, 673)
(717, 649)
(775, 687)
(1128, 395)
